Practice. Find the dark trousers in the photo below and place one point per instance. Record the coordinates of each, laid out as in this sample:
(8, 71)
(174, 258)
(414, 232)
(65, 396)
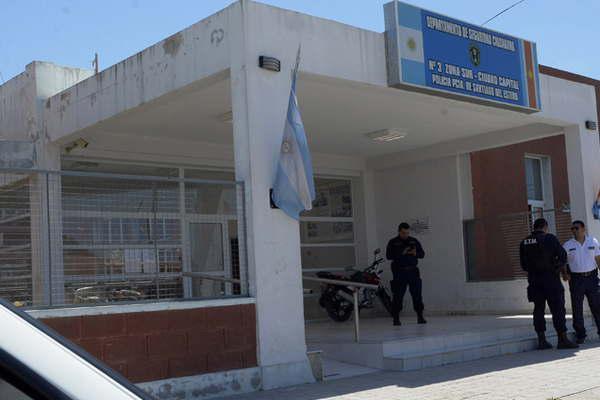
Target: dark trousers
(580, 287)
(407, 277)
(547, 288)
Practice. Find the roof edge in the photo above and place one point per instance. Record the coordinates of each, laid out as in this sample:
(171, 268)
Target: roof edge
(570, 76)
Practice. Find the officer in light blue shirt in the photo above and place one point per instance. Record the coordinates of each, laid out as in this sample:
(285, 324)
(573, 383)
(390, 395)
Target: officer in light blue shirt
(583, 255)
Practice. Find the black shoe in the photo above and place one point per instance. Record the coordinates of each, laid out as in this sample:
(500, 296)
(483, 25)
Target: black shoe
(397, 322)
(542, 342)
(580, 340)
(421, 320)
(565, 343)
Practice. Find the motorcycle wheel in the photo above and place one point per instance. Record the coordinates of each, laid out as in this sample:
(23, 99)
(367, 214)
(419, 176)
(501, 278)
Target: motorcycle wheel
(386, 301)
(337, 310)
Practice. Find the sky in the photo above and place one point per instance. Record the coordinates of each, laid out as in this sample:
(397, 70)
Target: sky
(69, 32)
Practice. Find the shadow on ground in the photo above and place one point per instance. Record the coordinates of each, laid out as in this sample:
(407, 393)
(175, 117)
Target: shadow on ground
(413, 379)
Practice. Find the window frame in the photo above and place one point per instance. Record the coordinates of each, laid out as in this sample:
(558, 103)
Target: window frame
(354, 244)
(181, 215)
(535, 202)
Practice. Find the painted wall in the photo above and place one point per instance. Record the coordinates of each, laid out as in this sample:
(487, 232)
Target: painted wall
(149, 346)
(431, 189)
(21, 98)
(171, 64)
(16, 99)
(22, 102)
(574, 101)
(426, 190)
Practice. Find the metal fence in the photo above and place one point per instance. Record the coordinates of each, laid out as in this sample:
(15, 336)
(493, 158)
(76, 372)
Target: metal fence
(492, 243)
(76, 237)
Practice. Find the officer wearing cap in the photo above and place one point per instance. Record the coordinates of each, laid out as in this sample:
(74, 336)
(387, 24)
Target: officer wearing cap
(583, 254)
(405, 252)
(544, 259)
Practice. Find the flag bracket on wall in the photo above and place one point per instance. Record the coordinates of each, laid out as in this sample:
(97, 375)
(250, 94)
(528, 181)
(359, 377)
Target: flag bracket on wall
(272, 203)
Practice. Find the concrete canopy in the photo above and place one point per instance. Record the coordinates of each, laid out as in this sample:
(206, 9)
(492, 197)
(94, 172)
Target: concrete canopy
(338, 115)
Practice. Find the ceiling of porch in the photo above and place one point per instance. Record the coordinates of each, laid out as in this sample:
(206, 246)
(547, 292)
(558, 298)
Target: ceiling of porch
(337, 116)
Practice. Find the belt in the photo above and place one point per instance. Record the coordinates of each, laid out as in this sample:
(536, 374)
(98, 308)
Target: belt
(404, 267)
(588, 273)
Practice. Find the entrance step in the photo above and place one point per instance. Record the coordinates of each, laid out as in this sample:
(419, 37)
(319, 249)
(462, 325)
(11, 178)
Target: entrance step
(470, 350)
(410, 348)
(452, 355)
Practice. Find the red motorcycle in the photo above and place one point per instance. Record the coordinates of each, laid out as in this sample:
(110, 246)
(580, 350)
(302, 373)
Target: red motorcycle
(338, 301)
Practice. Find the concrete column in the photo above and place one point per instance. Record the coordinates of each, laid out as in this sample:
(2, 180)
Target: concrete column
(46, 197)
(46, 228)
(583, 165)
(259, 104)
(40, 253)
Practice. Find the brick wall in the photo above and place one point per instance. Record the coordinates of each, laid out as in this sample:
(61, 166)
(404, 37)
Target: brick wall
(499, 188)
(148, 346)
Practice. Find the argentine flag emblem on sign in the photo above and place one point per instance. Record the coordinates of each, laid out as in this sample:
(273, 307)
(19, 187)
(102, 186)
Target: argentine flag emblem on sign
(294, 187)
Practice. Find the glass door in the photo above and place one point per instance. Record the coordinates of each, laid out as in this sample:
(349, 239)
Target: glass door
(209, 255)
(539, 190)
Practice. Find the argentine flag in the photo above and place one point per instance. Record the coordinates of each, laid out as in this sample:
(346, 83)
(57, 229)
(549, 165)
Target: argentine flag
(294, 187)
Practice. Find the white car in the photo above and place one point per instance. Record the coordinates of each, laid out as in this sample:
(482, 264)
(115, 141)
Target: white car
(37, 363)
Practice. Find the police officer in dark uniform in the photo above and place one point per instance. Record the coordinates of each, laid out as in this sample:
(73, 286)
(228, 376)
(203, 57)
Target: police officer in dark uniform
(405, 252)
(544, 259)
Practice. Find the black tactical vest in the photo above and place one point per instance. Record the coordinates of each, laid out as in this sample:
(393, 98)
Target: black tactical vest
(539, 257)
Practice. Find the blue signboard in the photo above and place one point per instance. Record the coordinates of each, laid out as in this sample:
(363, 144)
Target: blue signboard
(433, 52)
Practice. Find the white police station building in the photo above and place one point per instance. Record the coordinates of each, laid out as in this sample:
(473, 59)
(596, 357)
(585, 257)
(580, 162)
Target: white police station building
(159, 167)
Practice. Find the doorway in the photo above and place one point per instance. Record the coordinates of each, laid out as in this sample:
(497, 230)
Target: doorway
(540, 196)
(213, 251)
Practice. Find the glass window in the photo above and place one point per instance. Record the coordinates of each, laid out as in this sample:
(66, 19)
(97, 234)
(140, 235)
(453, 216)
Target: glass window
(170, 260)
(85, 231)
(168, 231)
(533, 178)
(209, 175)
(118, 168)
(84, 262)
(327, 231)
(207, 199)
(312, 232)
(124, 238)
(327, 257)
(206, 241)
(120, 195)
(333, 198)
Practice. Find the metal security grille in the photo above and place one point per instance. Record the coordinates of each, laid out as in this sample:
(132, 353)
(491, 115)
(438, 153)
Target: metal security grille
(95, 238)
(492, 243)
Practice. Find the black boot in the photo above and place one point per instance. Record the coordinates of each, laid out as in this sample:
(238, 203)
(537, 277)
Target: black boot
(542, 342)
(564, 342)
(420, 319)
(397, 320)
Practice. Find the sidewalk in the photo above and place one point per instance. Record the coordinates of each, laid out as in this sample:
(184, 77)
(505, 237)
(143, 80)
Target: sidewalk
(536, 375)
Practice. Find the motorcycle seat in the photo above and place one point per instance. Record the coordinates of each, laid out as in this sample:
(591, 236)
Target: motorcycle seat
(337, 276)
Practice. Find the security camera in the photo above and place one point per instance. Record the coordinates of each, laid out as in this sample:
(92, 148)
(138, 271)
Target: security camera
(80, 143)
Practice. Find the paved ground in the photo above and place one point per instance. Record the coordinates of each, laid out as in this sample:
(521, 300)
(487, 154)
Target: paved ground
(377, 330)
(538, 375)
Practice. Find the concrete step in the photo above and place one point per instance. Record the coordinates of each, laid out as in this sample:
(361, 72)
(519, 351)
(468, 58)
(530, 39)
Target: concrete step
(442, 341)
(476, 350)
(453, 341)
